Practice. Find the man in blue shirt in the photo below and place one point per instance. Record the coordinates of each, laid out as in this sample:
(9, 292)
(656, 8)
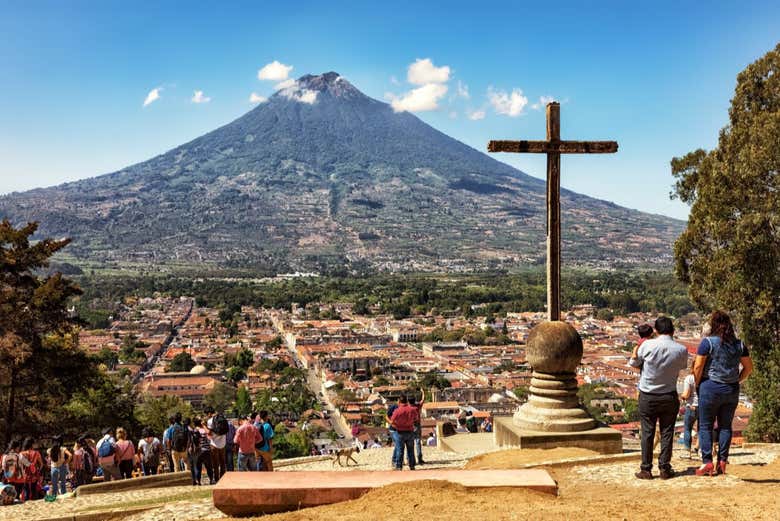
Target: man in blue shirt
(661, 359)
(167, 444)
(265, 450)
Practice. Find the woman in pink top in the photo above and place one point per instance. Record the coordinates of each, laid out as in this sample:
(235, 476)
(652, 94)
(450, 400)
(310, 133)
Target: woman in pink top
(125, 454)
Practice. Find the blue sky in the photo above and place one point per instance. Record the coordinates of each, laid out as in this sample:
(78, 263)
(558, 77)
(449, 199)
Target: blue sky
(656, 77)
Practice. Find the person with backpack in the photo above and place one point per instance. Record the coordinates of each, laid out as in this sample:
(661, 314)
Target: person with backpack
(15, 467)
(264, 452)
(167, 444)
(83, 467)
(125, 454)
(218, 428)
(150, 452)
(59, 457)
(179, 441)
(106, 451)
(34, 473)
(202, 446)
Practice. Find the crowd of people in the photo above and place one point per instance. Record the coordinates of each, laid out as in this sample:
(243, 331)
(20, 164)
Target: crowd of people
(710, 393)
(31, 471)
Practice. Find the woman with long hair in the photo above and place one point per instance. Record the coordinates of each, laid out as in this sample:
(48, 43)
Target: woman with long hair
(59, 457)
(722, 363)
(125, 454)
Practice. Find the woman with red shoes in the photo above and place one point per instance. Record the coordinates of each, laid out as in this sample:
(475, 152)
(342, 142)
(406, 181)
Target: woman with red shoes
(722, 363)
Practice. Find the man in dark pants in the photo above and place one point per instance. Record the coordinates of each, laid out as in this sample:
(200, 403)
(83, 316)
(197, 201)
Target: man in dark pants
(661, 359)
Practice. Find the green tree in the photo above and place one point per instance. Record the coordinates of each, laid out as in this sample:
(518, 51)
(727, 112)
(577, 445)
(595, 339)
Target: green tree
(243, 401)
(38, 340)
(245, 359)
(222, 397)
(630, 410)
(235, 374)
(108, 357)
(729, 253)
(154, 412)
(182, 362)
(109, 402)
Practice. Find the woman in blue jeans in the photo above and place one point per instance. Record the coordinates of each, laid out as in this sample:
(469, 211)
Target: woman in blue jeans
(722, 363)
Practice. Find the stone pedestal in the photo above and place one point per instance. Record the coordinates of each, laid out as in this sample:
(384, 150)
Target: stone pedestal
(552, 417)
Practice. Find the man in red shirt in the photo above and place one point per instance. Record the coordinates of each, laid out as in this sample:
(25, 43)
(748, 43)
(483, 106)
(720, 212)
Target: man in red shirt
(403, 420)
(246, 438)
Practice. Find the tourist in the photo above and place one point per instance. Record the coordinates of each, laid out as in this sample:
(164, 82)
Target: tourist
(230, 450)
(690, 400)
(660, 359)
(106, 450)
(167, 444)
(7, 495)
(375, 444)
(718, 375)
(150, 452)
(83, 467)
(125, 454)
(217, 426)
(461, 428)
(245, 440)
(15, 466)
(403, 420)
(418, 426)
(487, 425)
(59, 457)
(193, 449)
(34, 473)
(202, 444)
(471, 422)
(395, 440)
(179, 441)
(265, 451)
(431, 441)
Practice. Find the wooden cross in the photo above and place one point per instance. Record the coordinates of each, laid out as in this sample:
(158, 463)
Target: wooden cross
(554, 147)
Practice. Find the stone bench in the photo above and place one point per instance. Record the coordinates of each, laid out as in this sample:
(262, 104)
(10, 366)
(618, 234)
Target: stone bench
(171, 479)
(248, 493)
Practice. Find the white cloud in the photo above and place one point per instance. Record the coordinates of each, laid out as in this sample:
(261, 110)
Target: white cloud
(153, 96)
(453, 115)
(293, 92)
(198, 97)
(307, 96)
(423, 71)
(420, 99)
(286, 84)
(256, 98)
(394, 80)
(274, 71)
(476, 115)
(463, 90)
(509, 104)
(543, 101)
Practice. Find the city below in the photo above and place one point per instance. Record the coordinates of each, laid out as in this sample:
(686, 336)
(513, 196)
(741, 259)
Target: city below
(356, 365)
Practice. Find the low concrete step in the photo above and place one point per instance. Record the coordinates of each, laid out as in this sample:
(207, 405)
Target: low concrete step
(247, 493)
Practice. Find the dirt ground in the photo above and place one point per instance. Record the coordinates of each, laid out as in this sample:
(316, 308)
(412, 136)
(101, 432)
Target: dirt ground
(512, 459)
(749, 492)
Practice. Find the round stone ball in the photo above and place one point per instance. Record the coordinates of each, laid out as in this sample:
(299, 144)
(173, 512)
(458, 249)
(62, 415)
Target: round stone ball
(554, 347)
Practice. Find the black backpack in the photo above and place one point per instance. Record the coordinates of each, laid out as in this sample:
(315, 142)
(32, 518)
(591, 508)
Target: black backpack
(178, 438)
(88, 462)
(219, 425)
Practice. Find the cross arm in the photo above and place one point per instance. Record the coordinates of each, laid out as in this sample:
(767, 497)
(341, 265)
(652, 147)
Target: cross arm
(551, 147)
